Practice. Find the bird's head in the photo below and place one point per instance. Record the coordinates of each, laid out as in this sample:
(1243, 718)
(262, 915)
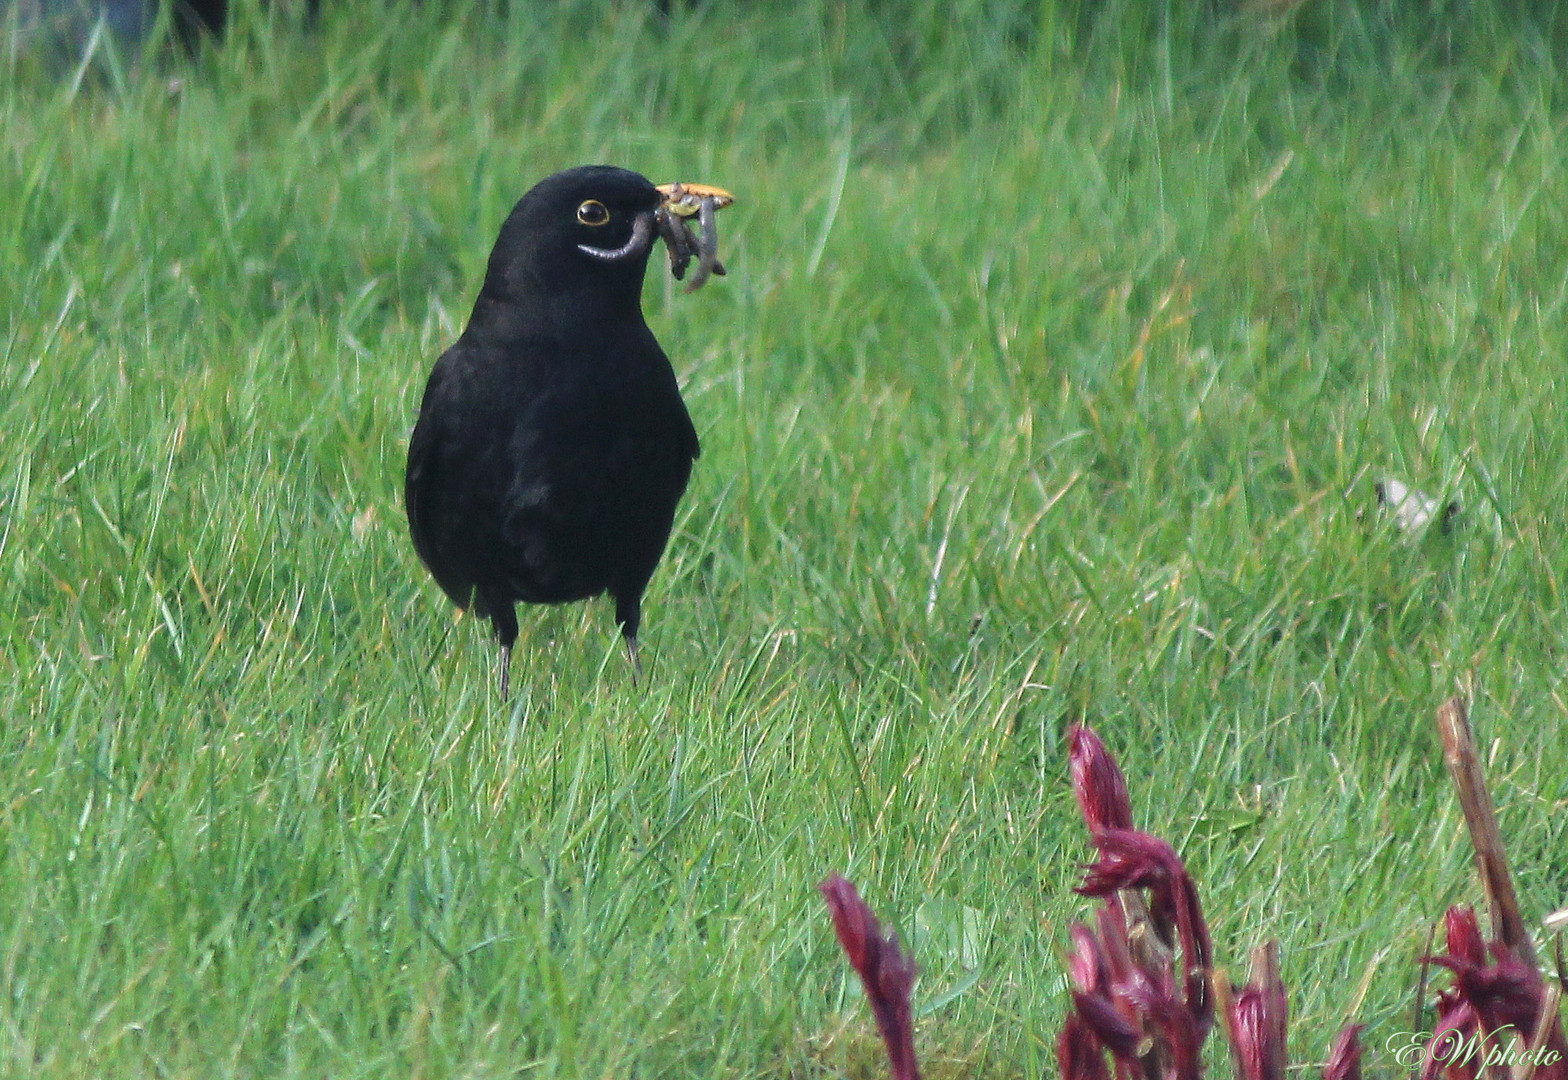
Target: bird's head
(589, 226)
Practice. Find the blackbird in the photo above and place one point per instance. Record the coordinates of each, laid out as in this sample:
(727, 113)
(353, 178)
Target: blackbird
(552, 444)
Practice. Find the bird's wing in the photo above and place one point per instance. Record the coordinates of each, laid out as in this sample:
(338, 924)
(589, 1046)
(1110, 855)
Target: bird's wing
(424, 469)
(429, 475)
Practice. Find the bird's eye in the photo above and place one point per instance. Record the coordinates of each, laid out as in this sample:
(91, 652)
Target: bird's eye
(593, 212)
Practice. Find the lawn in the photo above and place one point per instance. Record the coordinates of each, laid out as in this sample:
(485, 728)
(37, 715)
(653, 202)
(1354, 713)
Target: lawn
(1060, 351)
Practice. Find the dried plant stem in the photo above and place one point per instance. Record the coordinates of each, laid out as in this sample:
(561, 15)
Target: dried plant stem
(1543, 1030)
(1224, 1008)
(1464, 765)
(1143, 940)
(1265, 975)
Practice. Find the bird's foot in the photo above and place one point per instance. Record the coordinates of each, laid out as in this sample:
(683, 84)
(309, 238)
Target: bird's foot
(631, 654)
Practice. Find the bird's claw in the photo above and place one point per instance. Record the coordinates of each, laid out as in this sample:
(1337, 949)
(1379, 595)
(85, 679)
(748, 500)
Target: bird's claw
(681, 203)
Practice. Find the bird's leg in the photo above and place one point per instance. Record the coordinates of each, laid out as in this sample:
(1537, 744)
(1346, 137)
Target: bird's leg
(504, 619)
(628, 612)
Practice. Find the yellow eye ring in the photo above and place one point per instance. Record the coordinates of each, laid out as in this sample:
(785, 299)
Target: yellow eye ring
(593, 212)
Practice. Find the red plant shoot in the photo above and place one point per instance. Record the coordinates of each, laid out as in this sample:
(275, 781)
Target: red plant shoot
(1344, 1058)
(886, 973)
(1097, 782)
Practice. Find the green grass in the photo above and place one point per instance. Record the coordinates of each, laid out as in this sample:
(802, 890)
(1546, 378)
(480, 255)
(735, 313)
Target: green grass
(1055, 365)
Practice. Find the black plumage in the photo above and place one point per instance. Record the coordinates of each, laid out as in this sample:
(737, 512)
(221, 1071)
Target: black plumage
(552, 444)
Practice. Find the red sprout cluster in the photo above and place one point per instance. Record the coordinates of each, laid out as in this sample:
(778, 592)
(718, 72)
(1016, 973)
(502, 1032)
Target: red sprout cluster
(1145, 993)
(1143, 985)
(1494, 1015)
